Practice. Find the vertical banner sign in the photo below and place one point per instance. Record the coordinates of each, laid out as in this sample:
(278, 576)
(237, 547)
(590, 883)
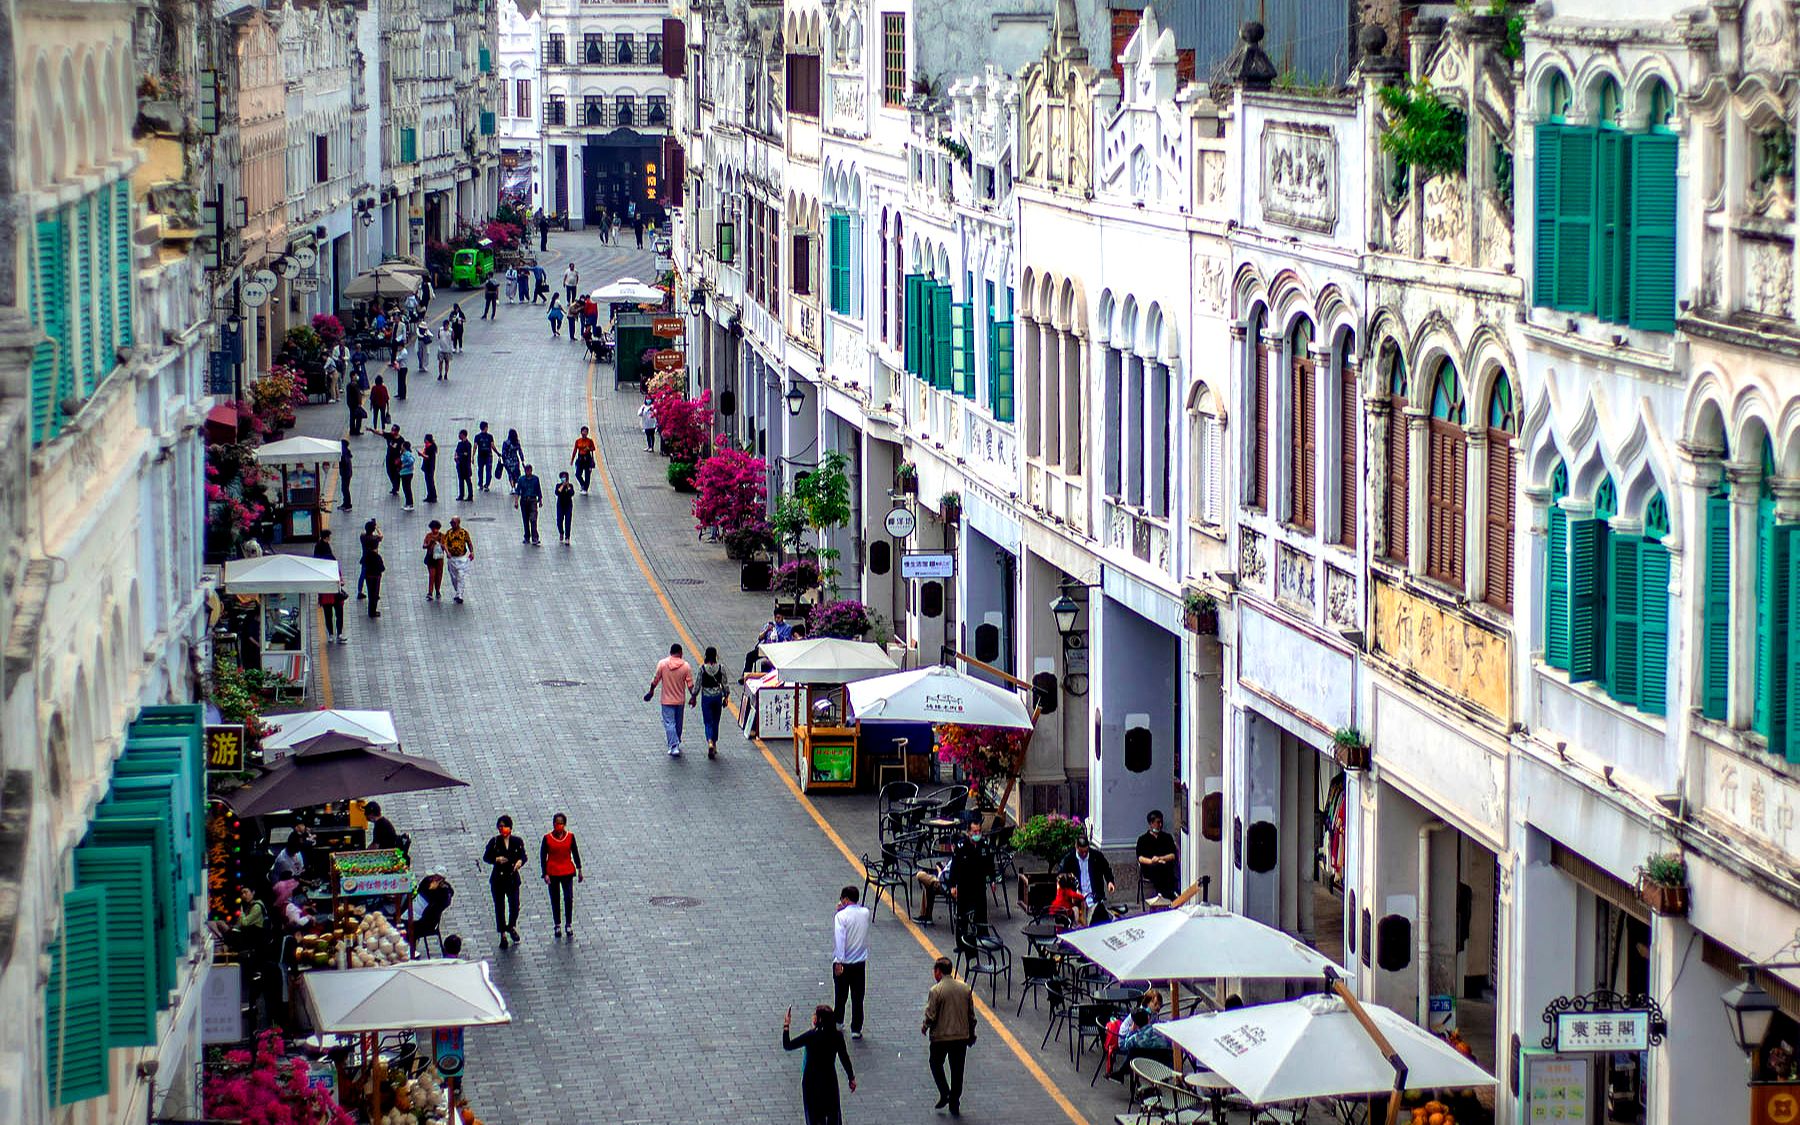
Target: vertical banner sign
(225, 748)
(447, 1050)
(218, 372)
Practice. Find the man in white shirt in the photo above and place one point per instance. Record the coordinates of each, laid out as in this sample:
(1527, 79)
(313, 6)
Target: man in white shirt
(571, 281)
(850, 957)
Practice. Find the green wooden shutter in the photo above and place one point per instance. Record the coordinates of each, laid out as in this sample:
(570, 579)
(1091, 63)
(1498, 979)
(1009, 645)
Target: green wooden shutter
(124, 874)
(1652, 231)
(105, 282)
(75, 1001)
(123, 270)
(85, 377)
(1610, 285)
(145, 824)
(1549, 164)
(1770, 715)
(915, 286)
(1556, 589)
(1793, 653)
(967, 346)
(1653, 628)
(1716, 609)
(840, 264)
(1622, 613)
(942, 351)
(1003, 370)
(1587, 605)
(1575, 221)
(959, 359)
(51, 290)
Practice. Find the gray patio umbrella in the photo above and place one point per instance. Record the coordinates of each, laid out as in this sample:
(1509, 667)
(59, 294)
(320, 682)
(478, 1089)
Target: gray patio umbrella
(339, 768)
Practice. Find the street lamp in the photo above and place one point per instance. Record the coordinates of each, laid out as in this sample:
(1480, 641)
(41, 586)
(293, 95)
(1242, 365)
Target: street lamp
(368, 218)
(1750, 1011)
(795, 399)
(697, 302)
(1064, 609)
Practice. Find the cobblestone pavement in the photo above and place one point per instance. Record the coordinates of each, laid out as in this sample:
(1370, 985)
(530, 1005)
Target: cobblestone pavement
(714, 882)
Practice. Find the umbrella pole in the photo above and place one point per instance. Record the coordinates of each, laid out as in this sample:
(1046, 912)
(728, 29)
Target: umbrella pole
(1175, 1013)
(1343, 993)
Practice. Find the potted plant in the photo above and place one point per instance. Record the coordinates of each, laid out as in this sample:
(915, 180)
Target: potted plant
(906, 478)
(1048, 836)
(1350, 748)
(1200, 613)
(733, 499)
(1662, 884)
(748, 542)
(792, 581)
(847, 619)
(681, 476)
(950, 506)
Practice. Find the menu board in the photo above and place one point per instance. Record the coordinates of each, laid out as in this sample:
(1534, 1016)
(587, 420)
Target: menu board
(833, 763)
(1557, 1088)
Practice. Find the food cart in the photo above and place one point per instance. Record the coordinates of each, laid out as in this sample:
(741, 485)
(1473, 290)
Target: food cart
(825, 743)
(274, 635)
(301, 462)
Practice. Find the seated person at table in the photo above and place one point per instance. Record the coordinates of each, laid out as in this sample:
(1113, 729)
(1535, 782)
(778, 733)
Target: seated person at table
(935, 884)
(428, 906)
(290, 861)
(1157, 859)
(1143, 1041)
(1151, 1002)
(1093, 875)
(776, 631)
(294, 915)
(250, 929)
(1068, 908)
(973, 865)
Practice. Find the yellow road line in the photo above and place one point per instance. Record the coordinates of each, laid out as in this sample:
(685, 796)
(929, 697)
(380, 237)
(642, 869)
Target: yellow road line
(787, 776)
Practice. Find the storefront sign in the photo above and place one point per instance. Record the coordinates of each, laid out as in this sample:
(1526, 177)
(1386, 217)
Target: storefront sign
(1774, 1103)
(218, 373)
(225, 748)
(900, 522)
(255, 293)
(304, 283)
(447, 1051)
(775, 712)
(669, 327)
(668, 360)
(367, 886)
(222, 1006)
(1434, 643)
(306, 258)
(928, 564)
(1603, 1031)
(1555, 1088)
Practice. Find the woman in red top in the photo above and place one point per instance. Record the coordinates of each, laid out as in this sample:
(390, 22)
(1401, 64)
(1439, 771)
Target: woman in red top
(1068, 902)
(560, 858)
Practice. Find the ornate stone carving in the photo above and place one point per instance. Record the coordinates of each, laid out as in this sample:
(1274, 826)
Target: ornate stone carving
(1340, 598)
(1253, 563)
(1210, 276)
(1446, 218)
(1294, 577)
(1769, 278)
(1212, 178)
(1768, 36)
(1300, 176)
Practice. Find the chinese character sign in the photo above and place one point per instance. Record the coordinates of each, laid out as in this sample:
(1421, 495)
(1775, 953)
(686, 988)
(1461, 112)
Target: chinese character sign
(225, 748)
(1603, 1031)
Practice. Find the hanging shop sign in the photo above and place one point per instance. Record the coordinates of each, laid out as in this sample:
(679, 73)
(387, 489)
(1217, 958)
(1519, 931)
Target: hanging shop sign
(1603, 1022)
(669, 327)
(218, 373)
(447, 1051)
(225, 748)
(668, 360)
(900, 522)
(307, 282)
(306, 258)
(928, 564)
(255, 293)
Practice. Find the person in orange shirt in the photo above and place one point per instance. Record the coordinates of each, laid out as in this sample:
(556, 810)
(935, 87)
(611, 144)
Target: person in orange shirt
(583, 459)
(676, 679)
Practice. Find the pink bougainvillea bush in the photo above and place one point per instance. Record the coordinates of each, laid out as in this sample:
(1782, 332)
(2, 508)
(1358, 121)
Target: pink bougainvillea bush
(980, 752)
(684, 423)
(266, 1088)
(734, 491)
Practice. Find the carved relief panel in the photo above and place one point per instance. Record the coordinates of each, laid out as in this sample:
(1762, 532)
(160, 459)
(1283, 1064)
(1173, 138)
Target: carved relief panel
(1299, 181)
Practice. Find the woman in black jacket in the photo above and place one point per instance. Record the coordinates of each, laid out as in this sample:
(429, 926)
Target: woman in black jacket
(507, 853)
(824, 1045)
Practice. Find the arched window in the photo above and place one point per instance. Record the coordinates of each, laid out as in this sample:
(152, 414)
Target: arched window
(1399, 454)
(1636, 592)
(1659, 105)
(884, 273)
(1556, 572)
(1349, 425)
(1502, 424)
(1715, 623)
(1303, 384)
(1777, 629)
(1556, 97)
(1446, 479)
(1208, 491)
(1257, 433)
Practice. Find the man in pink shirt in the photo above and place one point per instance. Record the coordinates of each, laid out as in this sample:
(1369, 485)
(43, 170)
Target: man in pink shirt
(678, 691)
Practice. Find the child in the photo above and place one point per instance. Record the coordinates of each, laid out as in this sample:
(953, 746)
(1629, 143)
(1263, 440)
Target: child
(1069, 901)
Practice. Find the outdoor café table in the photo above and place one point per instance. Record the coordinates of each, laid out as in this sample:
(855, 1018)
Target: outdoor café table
(1210, 1084)
(1119, 995)
(1041, 935)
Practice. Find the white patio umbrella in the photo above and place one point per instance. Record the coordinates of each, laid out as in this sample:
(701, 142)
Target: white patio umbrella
(1196, 940)
(1314, 1047)
(384, 281)
(627, 289)
(938, 694)
(827, 660)
(374, 727)
(412, 995)
(298, 451)
(281, 574)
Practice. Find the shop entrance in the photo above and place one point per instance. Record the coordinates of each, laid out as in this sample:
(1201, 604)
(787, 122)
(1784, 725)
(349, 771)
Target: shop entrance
(1296, 832)
(620, 174)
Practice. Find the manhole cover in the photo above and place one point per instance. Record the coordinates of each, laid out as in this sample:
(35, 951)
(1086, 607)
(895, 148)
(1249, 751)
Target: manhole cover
(501, 351)
(684, 581)
(479, 519)
(462, 417)
(678, 902)
(563, 683)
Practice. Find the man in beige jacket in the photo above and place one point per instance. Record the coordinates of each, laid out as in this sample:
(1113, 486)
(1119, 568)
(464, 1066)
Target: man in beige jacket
(950, 1021)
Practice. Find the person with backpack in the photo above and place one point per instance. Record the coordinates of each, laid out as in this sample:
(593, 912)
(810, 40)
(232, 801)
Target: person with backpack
(582, 457)
(484, 458)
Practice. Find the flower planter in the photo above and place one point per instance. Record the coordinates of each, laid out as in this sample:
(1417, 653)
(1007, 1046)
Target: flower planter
(1664, 898)
(1351, 756)
(754, 576)
(952, 513)
(907, 486)
(1205, 622)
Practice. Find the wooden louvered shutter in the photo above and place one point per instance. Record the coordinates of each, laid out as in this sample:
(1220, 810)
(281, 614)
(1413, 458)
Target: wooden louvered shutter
(1587, 605)
(1575, 221)
(1771, 712)
(1303, 481)
(84, 284)
(674, 54)
(51, 293)
(909, 311)
(1215, 470)
(1549, 163)
(943, 363)
(124, 874)
(1716, 609)
(1349, 423)
(1610, 283)
(1651, 249)
(106, 283)
(1259, 497)
(1445, 501)
(75, 1001)
(1002, 343)
(147, 824)
(1556, 588)
(1399, 454)
(122, 265)
(961, 378)
(1793, 653)
(1622, 611)
(840, 263)
(1500, 484)
(1653, 627)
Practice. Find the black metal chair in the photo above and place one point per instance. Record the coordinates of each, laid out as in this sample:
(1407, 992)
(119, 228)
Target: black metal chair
(1039, 974)
(885, 874)
(979, 958)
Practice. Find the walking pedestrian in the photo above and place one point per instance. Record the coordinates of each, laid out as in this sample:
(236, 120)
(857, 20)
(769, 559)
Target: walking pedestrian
(465, 466)
(409, 461)
(399, 368)
(378, 406)
(512, 285)
(370, 541)
(444, 352)
(605, 225)
(490, 299)
(528, 495)
(647, 419)
(331, 604)
(428, 455)
(458, 319)
(543, 226)
(423, 339)
(506, 854)
(637, 226)
(512, 457)
(712, 698)
(678, 691)
(565, 507)
(434, 562)
(373, 567)
(582, 457)
(555, 315)
(824, 1047)
(850, 958)
(391, 459)
(950, 1022)
(459, 549)
(354, 397)
(540, 283)
(559, 857)
(346, 470)
(571, 282)
(484, 457)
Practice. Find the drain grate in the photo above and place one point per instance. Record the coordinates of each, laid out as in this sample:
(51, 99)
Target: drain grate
(684, 582)
(677, 902)
(562, 683)
(479, 519)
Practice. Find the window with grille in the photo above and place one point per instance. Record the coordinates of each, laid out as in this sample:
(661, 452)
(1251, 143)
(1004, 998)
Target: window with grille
(624, 49)
(321, 158)
(1303, 386)
(553, 49)
(1502, 424)
(893, 58)
(1208, 494)
(627, 110)
(802, 274)
(524, 92)
(593, 110)
(593, 48)
(1446, 479)
(1397, 512)
(555, 111)
(803, 84)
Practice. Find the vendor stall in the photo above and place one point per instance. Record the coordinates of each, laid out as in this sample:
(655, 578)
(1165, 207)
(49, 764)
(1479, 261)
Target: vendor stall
(374, 727)
(825, 742)
(277, 632)
(301, 462)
